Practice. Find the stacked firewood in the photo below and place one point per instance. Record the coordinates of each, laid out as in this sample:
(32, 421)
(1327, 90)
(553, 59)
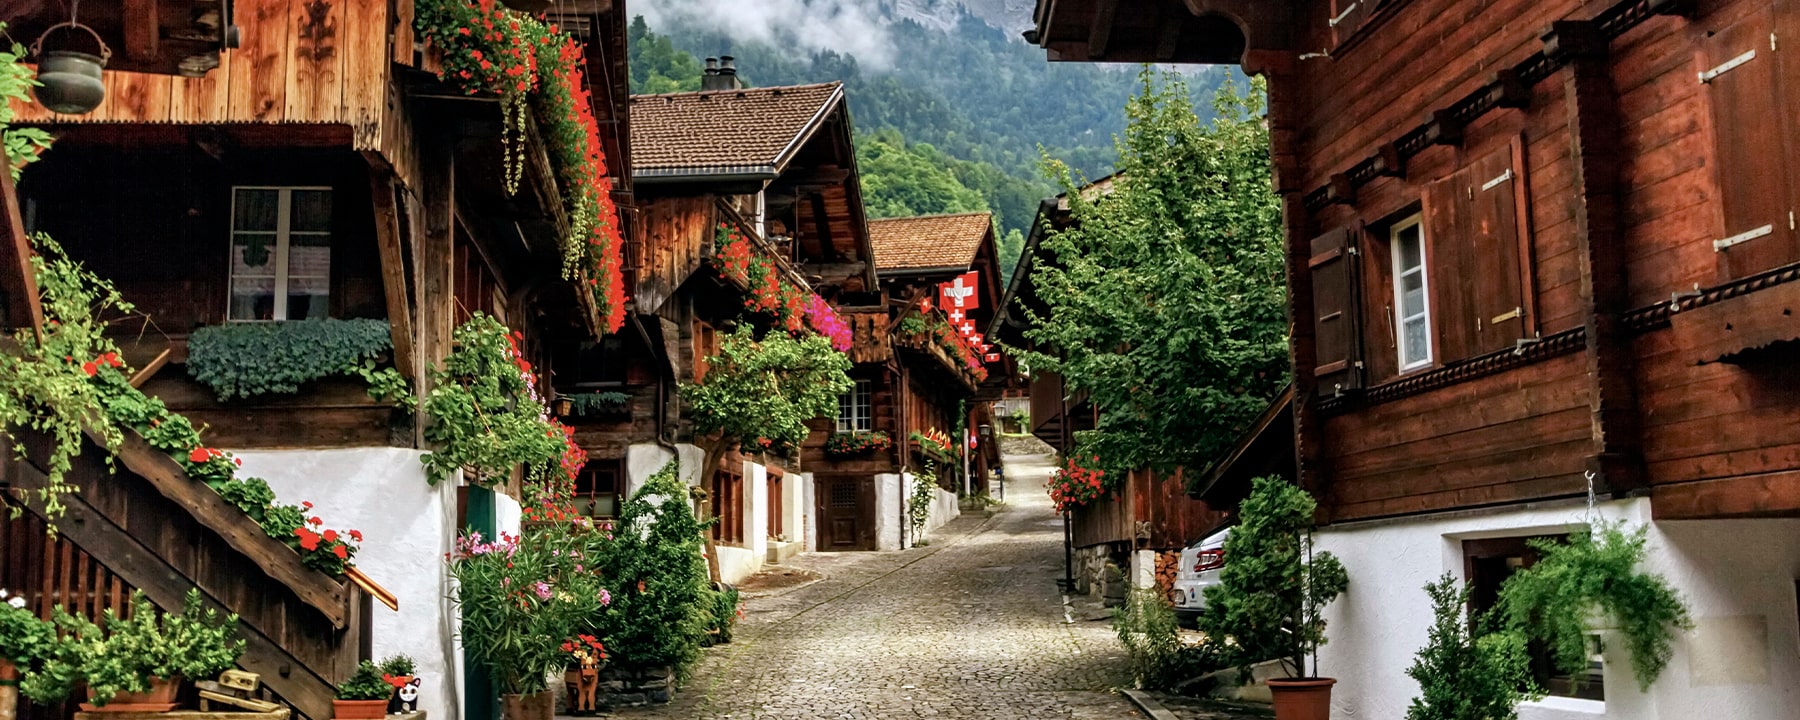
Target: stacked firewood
(1167, 566)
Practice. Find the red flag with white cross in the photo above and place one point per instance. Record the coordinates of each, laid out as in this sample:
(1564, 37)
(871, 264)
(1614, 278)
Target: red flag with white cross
(959, 293)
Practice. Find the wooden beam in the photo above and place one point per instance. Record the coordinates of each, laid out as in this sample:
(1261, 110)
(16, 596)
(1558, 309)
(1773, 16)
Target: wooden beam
(384, 192)
(1594, 123)
(150, 369)
(1770, 495)
(1168, 34)
(142, 31)
(18, 284)
(434, 250)
(1100, 33)
(167, 587)
(237, 529)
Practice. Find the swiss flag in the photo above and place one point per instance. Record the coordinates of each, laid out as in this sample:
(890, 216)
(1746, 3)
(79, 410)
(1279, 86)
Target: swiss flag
(992, 357)
(960, 292)
(967, 328)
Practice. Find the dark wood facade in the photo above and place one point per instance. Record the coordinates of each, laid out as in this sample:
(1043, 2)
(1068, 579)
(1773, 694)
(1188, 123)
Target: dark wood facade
(1604, 221)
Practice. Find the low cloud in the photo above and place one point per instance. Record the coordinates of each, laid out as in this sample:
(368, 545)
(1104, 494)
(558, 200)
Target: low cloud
(853, 27)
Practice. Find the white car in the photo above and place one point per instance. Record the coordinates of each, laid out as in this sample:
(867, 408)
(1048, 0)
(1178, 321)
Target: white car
(1199, 570)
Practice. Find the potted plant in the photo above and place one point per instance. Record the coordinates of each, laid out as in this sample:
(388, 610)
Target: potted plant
(853, 444)
(584, 654)
(519, 596)
(364, 696)
(398, 671)
(135, 664)
(24, 638)
(1268, 603)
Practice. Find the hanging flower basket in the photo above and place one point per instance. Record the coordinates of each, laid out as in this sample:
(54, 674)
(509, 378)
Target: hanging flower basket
(856, 444)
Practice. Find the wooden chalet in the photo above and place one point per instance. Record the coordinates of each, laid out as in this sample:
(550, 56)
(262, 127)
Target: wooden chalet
(292, 160)
(910, 379)
(776, 167)
(1542, 269)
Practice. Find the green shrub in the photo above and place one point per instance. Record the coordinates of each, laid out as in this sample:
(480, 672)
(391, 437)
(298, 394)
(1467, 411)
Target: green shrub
(1147, 628)
(597, 403)
(662, 604)
(245, 360)
(398, 665)
(1595, 575)
(1267, 604)
(1463, 676)
(366, 684)
(724, 615)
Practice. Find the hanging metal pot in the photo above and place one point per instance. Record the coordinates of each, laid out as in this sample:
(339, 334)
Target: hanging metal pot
(70, 81)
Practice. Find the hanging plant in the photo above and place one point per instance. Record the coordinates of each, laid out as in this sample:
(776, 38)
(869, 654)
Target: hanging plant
(245, 360)
(1595, 576)
(1073, 486)
(487, 416)
(538, 73)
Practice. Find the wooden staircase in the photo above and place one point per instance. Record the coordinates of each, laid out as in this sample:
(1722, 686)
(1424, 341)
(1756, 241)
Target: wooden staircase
(150, 527)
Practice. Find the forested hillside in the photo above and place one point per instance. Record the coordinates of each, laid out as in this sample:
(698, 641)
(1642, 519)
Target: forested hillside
(954, 120)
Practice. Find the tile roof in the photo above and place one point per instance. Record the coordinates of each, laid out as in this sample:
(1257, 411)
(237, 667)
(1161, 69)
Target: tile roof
(745, 130)
(932, 241)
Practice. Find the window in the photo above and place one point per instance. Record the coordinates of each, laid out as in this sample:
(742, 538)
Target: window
(280, 253)
(776, 530)
(1412, 306)
(590, 363)
(597, 488)
(1487, 564)
(855, 408)
(728, 507)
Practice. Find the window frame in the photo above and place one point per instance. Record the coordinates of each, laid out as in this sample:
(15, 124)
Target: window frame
(861, 396)
(1401, 345)
(1593, 689)
(284, 231)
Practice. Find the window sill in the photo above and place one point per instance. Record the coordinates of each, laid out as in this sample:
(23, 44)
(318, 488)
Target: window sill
(1567, 705)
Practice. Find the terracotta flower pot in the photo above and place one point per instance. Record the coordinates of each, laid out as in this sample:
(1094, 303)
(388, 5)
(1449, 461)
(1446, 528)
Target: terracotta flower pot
(159, 698)
(359, 709)
(1302, 698)
(536, 706)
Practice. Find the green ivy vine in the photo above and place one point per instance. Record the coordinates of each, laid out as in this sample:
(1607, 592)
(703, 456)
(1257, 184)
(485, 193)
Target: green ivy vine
(918, 502)
(45, 380)
(245, 360)
(486, 414)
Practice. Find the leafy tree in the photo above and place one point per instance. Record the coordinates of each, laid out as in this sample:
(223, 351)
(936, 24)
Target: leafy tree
(656, 66)
(1463, 676)
(1165, 299)
(762, 392)
(1595, 574)
(902, 181)
(1269, 598)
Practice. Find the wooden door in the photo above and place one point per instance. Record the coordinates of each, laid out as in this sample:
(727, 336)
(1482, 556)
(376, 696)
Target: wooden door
(845, 506)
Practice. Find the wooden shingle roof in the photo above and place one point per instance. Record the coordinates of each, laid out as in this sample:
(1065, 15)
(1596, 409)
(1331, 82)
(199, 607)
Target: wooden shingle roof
(931, 241)
(721, 132)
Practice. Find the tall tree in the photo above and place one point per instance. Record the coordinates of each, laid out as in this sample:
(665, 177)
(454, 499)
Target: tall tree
(1165, 298)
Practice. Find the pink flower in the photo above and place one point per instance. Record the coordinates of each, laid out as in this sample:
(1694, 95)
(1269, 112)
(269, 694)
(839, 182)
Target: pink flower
(542, 589)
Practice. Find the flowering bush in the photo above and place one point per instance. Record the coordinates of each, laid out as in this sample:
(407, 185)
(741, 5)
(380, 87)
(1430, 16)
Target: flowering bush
(852, 444)
(487, 415)
(824, 320)
(521, 595)
(538, 73)
(1073, 486)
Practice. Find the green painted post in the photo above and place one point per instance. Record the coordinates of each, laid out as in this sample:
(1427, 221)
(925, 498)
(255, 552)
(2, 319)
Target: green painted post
(480, 701)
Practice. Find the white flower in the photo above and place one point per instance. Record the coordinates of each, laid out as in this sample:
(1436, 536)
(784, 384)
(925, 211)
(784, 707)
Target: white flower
(17, 602)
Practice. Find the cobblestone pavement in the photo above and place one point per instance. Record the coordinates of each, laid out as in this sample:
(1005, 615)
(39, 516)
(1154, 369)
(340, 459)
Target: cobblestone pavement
(1203, 709)
(970, 627)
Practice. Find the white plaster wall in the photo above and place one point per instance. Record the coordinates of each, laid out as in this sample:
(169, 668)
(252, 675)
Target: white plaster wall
(887, 511)
(794, 504)
(645, 459)
(736, 563)
(407, 526)
(944, 506)
(756, 511)
(809, 525)
(1143, 568)
(1742, 661)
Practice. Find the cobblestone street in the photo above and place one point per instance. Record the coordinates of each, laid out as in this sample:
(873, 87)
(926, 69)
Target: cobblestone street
(970, 626)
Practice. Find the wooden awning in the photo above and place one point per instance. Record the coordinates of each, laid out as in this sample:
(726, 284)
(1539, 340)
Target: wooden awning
(1266, 448)
(1737, 328)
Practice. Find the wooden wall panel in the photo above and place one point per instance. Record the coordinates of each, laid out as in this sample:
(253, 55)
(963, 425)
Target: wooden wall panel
(302, 61)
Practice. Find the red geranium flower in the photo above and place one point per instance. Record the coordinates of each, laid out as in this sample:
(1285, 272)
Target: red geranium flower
(340, 552)
(309, 540)
(331, 536)
(198, 455)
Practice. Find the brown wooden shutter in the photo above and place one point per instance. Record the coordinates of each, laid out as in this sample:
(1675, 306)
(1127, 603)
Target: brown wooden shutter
(1448, 207)
(1740, 75)
(1337, 343)
(1347, 16)
(1499, 302)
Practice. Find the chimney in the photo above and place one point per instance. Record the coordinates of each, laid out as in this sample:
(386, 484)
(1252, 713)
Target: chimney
(719, 74)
